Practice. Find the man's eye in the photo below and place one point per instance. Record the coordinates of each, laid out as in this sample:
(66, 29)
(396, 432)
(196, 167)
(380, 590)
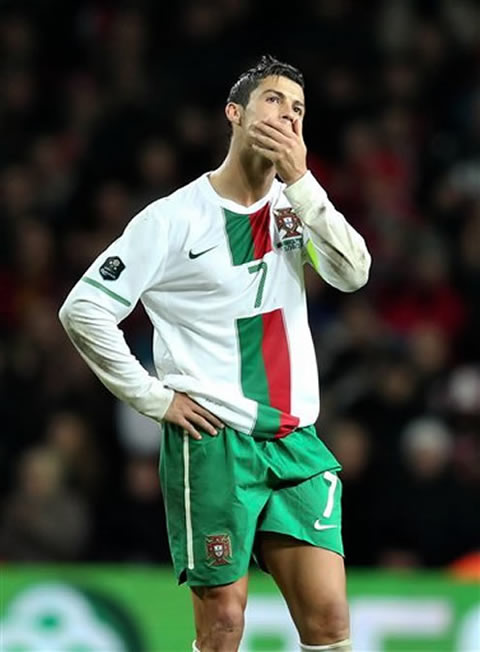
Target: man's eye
(273, 98)
(298, 110)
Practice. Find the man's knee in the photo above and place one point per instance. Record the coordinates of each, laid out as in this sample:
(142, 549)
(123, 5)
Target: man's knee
(222, 630)
(223, 619)
(225, 616)
(325, 624)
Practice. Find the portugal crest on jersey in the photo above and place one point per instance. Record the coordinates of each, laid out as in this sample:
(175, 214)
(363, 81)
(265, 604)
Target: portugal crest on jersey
(289, 228)
(219, 549)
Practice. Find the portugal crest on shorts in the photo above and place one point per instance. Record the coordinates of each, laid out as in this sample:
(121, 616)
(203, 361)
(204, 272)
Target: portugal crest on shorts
(289, 228)
(218, 549)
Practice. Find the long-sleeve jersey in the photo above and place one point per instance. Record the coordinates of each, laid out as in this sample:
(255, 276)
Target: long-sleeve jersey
(223, 285)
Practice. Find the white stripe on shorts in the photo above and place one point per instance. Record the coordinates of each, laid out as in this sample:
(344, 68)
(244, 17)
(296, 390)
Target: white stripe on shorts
(188, 513)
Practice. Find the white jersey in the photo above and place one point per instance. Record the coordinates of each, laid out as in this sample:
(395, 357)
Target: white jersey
(223, 286)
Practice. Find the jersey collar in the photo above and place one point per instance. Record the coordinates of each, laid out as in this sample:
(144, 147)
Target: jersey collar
(231, 205)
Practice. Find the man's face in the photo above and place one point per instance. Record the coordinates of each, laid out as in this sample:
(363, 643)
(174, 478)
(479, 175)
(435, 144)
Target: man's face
(276, 99)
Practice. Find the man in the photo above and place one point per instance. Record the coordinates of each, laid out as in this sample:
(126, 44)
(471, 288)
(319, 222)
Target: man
(218, 266)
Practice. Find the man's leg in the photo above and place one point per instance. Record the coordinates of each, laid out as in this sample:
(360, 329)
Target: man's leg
(214, 490)
(312, 581)
(219, 616)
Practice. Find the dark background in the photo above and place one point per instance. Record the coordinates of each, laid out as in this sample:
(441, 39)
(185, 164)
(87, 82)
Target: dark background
(107, 106)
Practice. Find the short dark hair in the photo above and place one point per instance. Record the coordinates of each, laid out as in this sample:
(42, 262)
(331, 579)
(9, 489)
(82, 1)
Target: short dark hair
(266, 66)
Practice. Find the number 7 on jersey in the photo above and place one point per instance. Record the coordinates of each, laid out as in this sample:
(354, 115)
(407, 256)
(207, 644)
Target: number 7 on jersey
(261, 267)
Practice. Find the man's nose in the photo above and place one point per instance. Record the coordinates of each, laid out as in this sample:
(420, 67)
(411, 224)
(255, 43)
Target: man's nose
(288, 115)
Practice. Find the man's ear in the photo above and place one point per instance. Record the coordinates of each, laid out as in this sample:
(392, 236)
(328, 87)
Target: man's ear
(233, 112)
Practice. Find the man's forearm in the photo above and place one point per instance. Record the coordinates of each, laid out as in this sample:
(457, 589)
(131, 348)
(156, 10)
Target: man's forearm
(337, 251)
(95, 334)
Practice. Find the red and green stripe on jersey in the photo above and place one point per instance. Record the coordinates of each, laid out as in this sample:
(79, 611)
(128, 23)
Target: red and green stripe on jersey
(248, 235)
(263, 344)
(265, 372)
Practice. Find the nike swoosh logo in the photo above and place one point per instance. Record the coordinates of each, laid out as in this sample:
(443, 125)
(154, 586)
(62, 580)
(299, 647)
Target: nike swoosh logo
(192, 256)
(318, 526)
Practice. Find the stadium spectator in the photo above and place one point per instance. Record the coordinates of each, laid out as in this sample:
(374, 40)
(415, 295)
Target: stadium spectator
(43, 520)
(432, 499)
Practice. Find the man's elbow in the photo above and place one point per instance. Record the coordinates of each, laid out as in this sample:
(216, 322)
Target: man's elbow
(78, 315)
(68, 313)
(359, 275)
(64, 314)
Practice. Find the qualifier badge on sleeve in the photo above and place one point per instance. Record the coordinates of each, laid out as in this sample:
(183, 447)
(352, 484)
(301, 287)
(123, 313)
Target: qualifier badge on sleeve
(112, 268)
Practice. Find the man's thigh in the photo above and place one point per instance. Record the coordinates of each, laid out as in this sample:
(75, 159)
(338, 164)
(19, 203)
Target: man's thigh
(214, 489)
(309, 511)
(312, 581)
(300, 543)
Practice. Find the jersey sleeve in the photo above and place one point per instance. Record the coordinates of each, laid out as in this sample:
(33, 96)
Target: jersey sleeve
(106, 294)
(129, 266)
(331, 245)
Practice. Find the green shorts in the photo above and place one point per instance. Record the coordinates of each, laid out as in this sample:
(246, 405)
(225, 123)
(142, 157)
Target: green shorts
(221, 491)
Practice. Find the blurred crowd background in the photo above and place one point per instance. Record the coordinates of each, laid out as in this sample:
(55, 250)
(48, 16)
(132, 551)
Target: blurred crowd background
(105, 106)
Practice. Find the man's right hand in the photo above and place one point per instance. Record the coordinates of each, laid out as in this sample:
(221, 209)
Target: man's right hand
(186, 413)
